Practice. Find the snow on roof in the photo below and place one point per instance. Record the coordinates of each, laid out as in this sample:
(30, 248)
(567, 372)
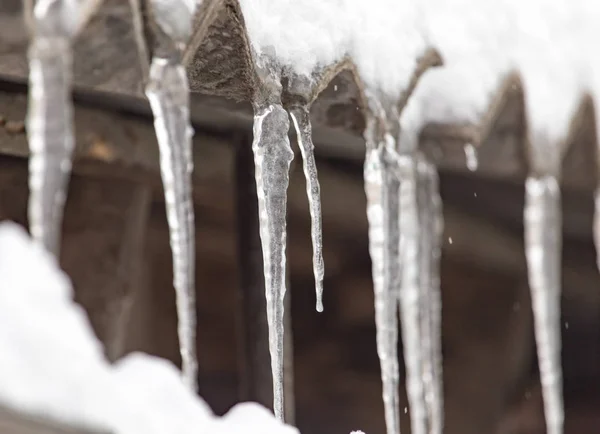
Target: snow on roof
(53, 365)
(480, 42)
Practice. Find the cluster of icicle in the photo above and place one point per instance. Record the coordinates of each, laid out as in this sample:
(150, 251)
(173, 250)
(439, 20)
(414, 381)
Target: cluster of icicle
(55, 24)
(405, 224)
(404, 212)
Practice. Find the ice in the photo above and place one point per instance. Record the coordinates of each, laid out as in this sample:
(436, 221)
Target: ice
(381, 190)
(49, 118)
(167, 91)
(272, 158)
(329, 32)
(301, 117)
(430, 208)
(597, 226)
(471, 157)
(53, 366)
(411, 291)
(543, 245)
(421, 223)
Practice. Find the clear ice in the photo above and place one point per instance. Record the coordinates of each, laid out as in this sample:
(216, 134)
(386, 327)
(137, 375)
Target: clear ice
(168, 93)
(543, 246)
(272, 158)
(430, 209)
(50, 115)
(301, 118)
(381, 189)
(412, 292)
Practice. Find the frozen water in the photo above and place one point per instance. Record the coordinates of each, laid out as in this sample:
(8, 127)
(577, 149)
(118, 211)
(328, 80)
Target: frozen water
(430, 209)
(168, 94)
(597, 226)
(411, 291)
(543, 231)
(272, 157)
(168, 91)
(471, 157)
(49, 119)
(50, 133)
(301, 117)
(382, 213)
(43, 331)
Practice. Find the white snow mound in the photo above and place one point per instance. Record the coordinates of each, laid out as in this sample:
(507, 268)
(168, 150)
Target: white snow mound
(52, 364)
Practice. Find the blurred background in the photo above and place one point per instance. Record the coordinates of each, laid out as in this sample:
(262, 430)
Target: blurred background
(116, 250)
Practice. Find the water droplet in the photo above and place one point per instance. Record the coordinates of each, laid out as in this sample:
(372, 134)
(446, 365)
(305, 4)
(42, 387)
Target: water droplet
(450, 240)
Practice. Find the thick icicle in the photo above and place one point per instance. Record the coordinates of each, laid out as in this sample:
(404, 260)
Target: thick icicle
(301, 118)
(381, 189)
(168, 94)
(543, 246)
(168, 91)
(50, 118)
(411, 293)
(430, 208)
(272, 157)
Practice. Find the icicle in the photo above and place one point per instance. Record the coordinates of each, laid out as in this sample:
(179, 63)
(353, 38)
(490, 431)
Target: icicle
(167, 91)
(431, 217)
(411, 292)
(471, 157)
(543, 245)
(168, 94)
(301, 118)
(381, 191)
(50, 115)
(597, 226)
(272, 157)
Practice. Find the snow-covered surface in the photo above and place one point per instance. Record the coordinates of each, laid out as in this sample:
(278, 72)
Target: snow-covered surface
(549, 42)
(380, 36)
(53, 365)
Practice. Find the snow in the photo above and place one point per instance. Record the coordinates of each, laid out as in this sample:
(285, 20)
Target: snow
(53, 365)
(480, 42)
(306, 35)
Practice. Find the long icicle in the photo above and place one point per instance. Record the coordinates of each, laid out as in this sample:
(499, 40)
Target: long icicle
(430, 207)
(272, 158)
(301, 118)
(543, 246)
(597, 225)
(168, 94)
(380, 215)
(411, 294)
(50, 114)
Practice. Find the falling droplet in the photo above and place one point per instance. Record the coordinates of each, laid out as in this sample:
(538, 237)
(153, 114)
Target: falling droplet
(471, 157)
(382, 211)
(543, 250)
(272, 157)
(301, 118)
(168, 94)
